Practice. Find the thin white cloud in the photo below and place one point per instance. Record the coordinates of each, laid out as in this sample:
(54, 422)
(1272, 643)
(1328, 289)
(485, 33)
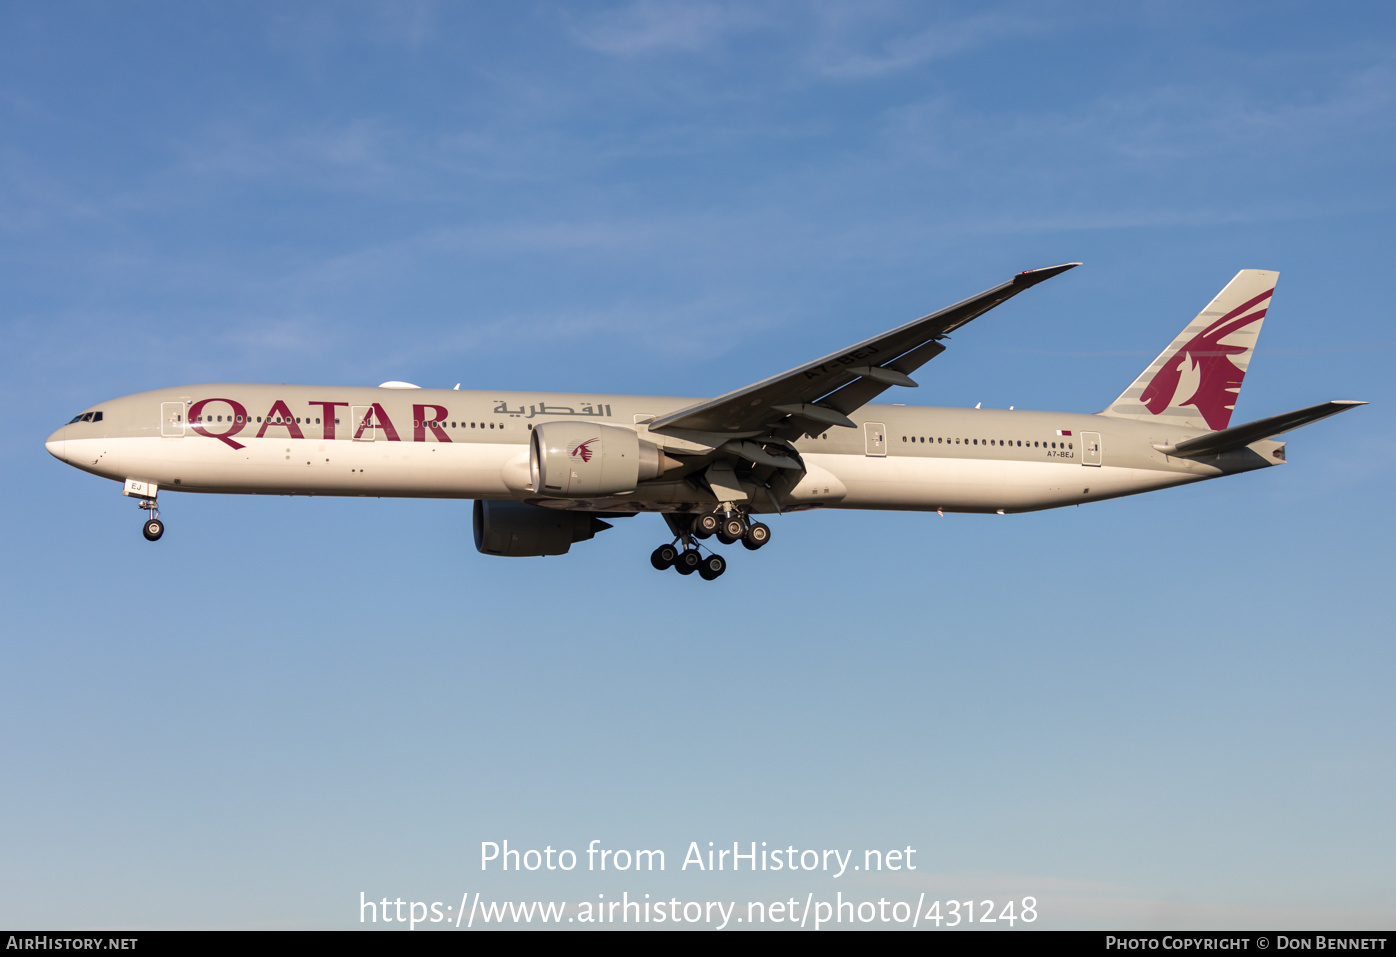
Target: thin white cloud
(309, 30)
(650, 26)
(1122, 160)
(939, 41)
(330, 154)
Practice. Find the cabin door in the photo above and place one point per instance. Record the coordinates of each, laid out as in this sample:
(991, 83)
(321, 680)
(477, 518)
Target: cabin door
(1090, 448)
(875, 438)
(361, 424)
(172, 419)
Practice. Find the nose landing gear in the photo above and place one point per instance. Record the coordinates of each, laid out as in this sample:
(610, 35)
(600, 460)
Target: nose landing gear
(146, 495)
(153, 527)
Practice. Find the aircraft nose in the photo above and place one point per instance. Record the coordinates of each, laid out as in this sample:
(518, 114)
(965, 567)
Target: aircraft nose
(55, 445)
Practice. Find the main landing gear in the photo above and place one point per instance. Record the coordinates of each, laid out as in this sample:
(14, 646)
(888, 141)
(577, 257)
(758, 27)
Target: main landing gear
(736, 527)
(688, 560)
(683, 554)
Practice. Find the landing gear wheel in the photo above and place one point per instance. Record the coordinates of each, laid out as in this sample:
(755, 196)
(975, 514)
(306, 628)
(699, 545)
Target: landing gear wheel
(756, 536)
(731, 530)
(688, 561)
(664, 557)
(705, 525)
(153, 529)
(712, 567)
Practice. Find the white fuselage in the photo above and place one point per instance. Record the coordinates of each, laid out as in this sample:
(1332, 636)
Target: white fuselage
(301, 440)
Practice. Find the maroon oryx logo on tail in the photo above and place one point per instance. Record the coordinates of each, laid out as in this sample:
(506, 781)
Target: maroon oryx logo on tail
(1219, 379)
(583, 449)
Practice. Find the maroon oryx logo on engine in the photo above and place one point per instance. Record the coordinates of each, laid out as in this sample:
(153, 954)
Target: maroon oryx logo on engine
(583, 449)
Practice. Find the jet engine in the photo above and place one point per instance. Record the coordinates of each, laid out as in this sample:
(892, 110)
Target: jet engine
(586, 459)
(519, 530)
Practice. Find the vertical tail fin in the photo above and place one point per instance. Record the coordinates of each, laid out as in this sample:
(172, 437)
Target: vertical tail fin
(1194, 383)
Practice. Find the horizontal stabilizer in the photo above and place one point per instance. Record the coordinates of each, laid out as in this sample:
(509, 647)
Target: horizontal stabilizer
(1240, 436)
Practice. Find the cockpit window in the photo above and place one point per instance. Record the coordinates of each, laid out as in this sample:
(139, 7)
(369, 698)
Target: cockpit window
(76, 418)
(86, 417)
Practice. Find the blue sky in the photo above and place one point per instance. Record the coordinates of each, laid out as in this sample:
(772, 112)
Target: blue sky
(1172, 710)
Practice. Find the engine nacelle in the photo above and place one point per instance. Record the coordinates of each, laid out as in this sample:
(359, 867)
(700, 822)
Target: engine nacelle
(519, 530)
(586, 459)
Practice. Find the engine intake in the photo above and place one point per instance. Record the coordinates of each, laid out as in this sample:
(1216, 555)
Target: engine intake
(585, 459)
(523, 531)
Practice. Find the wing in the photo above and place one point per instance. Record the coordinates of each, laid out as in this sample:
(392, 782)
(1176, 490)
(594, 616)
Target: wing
(822, 393)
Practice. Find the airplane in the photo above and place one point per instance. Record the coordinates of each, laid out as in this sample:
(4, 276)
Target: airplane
(546, 470)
